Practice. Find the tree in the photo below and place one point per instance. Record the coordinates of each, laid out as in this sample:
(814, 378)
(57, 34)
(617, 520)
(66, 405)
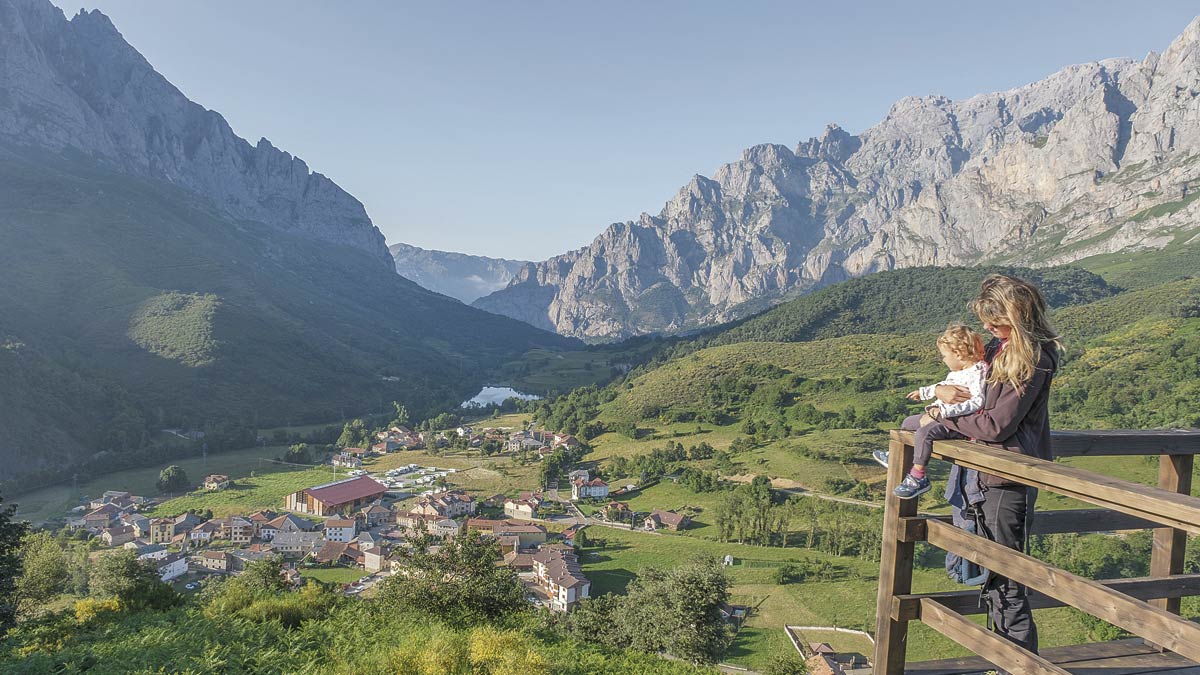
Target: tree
(677, 611)
(43, 571)
(354, 434)
(460, 583)
(265, 574)
(786, 663)
(172, 479)
(11, 534)
(121, 576)
(402, 419)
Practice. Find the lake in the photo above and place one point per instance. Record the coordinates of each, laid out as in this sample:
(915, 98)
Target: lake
(496, 395)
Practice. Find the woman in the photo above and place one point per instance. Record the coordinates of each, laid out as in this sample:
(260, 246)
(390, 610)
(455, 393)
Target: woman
(1021, 362)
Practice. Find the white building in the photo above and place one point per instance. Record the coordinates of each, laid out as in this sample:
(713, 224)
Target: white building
(558, 574)
(171, 567)
(339, 530)
(593, 489)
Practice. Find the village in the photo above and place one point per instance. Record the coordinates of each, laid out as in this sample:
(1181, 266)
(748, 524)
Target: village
(366, 521)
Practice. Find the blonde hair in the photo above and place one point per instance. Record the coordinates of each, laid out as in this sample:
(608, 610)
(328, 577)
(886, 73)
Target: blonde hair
(1018, 304)
(960, 340)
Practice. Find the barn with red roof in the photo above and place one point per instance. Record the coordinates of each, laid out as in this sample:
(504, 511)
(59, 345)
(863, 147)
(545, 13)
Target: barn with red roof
(343, 496)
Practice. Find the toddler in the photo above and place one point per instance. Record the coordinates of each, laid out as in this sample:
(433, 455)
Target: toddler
(962, 352)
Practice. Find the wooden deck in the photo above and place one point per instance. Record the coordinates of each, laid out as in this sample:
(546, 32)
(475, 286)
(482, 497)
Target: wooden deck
(1122, 657)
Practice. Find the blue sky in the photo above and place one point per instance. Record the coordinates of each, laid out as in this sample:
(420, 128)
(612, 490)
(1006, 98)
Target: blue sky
(522, 129)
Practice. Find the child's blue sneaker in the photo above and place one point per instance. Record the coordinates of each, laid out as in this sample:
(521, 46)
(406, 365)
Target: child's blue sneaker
(881, 456)
(912, 486)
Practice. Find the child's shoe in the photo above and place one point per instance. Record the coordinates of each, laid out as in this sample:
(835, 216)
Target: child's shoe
(881, 456)
(912, 487)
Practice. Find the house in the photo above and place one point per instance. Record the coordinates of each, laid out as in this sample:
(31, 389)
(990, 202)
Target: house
(216, 481)
(213, 560)
(374, 559)
(347, 495)
(337, 529)
(186, 521)
(335, 552)
(238, 559)
(579, 474)
(360, 453)
(101, 517)
(139, 523)
(565, 441)
(617, 512)
(444, 528)
(162, 530)
(297, 543)
(558, 574)
(171, 567)
(668, 519)
(593, 489)
(522, 562)
(521, 508)
(384, 447)
(450, 504)
(374, 515)
(528, 535)
(367, 541)
(483, 525)
(148, 551)
(205, 532)
(236, 529)
(346, 461)
(118, 535)
(288, 522)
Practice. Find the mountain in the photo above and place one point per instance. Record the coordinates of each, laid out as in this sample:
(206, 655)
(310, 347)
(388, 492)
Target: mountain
(462, 276)
(157, 271)
(1095, 159)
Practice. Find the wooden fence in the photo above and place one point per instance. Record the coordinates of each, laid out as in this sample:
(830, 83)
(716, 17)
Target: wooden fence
(1146, 607)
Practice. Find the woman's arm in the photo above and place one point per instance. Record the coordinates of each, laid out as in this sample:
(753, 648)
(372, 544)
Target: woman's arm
(1000, 422)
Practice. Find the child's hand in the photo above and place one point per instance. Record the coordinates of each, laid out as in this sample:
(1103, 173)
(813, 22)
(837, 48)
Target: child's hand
(914, 395)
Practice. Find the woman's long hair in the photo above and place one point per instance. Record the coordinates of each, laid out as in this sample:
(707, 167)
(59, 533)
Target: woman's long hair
(1009, 301)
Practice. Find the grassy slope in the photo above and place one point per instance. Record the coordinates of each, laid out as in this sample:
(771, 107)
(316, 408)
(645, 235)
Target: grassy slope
(110, 284)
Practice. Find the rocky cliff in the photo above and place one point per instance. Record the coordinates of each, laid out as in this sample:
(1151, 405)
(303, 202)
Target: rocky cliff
(462, 276)
(1096, 158)
(78, 86)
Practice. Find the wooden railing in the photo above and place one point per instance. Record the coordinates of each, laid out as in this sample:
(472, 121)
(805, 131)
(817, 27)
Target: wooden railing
(1146, 607)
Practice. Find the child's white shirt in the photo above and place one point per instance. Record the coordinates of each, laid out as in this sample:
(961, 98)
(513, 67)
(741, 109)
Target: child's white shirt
(972, 378)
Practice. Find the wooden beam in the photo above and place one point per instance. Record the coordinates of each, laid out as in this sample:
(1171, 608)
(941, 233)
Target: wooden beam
(908, 607)
(1150, 503)
(1118, 442)
(1087, 520)
(1169, 545)
(1137, 617)
(895, 566)
(993, 648)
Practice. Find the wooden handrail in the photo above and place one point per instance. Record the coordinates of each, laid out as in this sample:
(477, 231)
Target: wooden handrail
(1118, 442)
(1168, 509)
(1150, 503)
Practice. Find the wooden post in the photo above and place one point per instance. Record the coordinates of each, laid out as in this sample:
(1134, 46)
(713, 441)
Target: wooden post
(895, 566)
(1166, 557)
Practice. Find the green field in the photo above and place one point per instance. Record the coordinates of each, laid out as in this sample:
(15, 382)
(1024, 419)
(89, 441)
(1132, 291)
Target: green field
(54, 502)
(847, 602)
(332, 575)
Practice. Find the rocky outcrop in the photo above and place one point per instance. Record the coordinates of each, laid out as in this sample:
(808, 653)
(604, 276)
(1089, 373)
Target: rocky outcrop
(77, 86)
(1097, 158)
(458, 275)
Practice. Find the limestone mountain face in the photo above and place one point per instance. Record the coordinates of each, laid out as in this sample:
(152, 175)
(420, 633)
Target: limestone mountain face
(78, 86)
(458, 275)
(1097, 158)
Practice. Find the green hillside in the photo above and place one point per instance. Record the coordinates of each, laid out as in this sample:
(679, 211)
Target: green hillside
(127, 306)
(902, 301)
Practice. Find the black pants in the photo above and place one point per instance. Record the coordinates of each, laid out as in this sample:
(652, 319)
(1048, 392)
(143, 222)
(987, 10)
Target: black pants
(925, 436)
(1006, 512)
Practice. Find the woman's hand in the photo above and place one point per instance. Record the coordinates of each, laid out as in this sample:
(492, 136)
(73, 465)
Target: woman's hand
(951, 393)
(914, 395)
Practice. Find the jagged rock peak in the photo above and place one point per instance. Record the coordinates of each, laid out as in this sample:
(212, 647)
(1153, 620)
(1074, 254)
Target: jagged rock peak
(78, 85)
(1079, 163)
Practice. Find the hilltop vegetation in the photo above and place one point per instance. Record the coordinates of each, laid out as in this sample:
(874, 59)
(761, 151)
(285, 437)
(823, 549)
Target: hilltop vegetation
(128, 306)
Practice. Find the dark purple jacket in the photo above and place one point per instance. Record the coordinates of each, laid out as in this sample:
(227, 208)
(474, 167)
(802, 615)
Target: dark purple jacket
(1016, 420)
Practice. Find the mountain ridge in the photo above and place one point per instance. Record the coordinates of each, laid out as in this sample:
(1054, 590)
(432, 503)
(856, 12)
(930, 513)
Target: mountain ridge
(462, 276)
(1095, 158)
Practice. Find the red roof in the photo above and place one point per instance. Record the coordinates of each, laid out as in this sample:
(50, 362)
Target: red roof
(347, 490)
